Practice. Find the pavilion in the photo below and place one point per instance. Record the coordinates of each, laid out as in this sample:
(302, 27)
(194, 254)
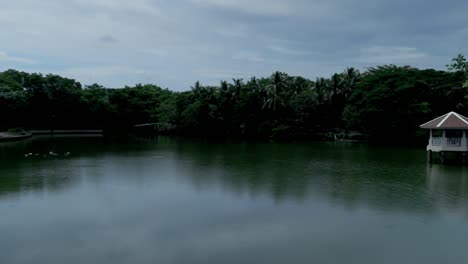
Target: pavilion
(448, 133)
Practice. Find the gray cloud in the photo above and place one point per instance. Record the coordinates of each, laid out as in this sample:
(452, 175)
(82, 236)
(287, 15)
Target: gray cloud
(259, 7)
(391, 54)
(8, 58)
(248, 56)
(287, 50)
(108, 39)
(176, 43)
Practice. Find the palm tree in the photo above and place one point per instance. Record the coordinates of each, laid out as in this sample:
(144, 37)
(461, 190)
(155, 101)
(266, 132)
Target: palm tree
(298, 85)
(336, 85)
(252, 86)
(351, 77)
(322, 89)
(224, 86)
(273, 90)
(197, 88)
(271, 97)
(237, 88)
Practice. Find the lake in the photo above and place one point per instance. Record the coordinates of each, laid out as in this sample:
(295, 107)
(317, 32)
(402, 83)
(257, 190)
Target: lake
(186, 201)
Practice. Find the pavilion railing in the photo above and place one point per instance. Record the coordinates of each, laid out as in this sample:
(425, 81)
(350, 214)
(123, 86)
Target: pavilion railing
(454, 142)
(436, 141)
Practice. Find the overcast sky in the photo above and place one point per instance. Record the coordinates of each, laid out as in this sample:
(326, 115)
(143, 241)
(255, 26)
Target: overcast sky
(173, 43)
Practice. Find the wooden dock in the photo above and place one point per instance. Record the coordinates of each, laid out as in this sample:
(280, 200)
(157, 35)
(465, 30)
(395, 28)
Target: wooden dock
(67, 132)
(7, 136)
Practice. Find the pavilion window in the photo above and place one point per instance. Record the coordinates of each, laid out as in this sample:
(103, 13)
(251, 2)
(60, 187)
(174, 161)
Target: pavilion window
(465, 135)
(453, 137)
(436, 139)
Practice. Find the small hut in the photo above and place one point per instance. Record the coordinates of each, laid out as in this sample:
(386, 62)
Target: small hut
(447, 133)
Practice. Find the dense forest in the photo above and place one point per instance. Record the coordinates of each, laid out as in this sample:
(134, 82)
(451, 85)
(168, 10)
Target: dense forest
(382, 102)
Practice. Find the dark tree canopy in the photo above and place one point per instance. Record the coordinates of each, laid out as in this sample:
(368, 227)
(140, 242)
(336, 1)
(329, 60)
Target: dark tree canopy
(386, 101)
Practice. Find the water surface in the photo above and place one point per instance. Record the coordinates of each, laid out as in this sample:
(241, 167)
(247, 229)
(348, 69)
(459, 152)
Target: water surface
(186, 201)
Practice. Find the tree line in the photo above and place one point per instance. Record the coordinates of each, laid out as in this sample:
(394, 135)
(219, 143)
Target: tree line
(385, 102)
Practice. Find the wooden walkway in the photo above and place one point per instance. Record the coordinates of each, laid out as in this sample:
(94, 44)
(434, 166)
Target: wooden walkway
(7, 136)
(67, 132)
(153, 128)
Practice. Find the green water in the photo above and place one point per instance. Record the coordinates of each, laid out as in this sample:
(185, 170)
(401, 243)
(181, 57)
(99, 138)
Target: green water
(185, 201)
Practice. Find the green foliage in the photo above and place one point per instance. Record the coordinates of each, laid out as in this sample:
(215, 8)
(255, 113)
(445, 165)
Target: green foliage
(386, 102)
(459, 64)
(390, 102)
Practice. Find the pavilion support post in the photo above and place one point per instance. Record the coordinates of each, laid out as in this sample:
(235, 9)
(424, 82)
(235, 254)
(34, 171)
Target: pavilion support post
(430, 138)
(444, 139)
(463, 141)
(429, 156)
(442, 157)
